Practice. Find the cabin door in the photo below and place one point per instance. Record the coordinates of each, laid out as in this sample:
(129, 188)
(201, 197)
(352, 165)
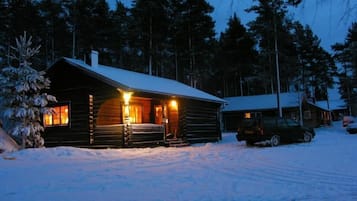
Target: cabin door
(173, 119)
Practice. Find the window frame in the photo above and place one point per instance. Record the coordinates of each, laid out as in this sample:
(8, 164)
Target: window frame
(139, 105)
(59, 105)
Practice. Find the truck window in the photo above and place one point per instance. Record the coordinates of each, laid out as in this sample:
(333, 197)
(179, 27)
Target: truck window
(292, 123)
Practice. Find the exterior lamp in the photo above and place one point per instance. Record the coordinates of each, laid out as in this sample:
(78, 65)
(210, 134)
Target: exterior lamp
(173, 104)
(126, 97)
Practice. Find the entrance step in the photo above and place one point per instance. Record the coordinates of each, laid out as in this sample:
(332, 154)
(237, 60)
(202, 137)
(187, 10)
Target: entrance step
(177, 142)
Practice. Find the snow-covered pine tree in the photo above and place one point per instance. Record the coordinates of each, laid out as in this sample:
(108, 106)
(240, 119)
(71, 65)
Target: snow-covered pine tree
(22, 97)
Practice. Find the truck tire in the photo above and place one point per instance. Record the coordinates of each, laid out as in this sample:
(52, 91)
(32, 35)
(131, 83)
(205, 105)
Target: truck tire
(274, 140)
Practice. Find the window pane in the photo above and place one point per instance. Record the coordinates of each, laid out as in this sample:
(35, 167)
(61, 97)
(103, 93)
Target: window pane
(56, 116)
(59, 117)
(135, 113)
(47, 120)
(64, 115)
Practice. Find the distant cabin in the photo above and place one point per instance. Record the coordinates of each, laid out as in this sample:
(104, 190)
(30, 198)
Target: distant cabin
(337, 107)
(293, 106)
(103, 106)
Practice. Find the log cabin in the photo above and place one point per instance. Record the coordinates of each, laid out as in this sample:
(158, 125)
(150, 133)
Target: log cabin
(106, 107)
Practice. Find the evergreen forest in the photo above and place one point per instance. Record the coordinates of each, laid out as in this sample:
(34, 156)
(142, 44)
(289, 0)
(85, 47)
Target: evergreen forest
(176, 39)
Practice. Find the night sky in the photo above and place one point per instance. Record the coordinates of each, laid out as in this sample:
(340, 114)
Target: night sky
(329, 19)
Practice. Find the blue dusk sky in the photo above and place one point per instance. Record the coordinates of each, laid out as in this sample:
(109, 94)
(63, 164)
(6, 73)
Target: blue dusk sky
(329, 19)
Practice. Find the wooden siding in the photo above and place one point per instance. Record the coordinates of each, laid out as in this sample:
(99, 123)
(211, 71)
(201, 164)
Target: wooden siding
(109, 112)
(231, 121)
(77, 132)
(109, 136)
(145, 134)
(137, 135)
(199, 121)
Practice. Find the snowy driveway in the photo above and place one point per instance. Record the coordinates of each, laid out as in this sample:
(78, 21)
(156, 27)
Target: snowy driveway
(325, 169)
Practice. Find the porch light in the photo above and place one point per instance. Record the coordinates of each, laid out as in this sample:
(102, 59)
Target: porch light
(126, 97)
(173, 104)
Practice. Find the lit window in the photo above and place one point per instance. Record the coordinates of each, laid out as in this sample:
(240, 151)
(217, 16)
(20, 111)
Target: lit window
(247, 115)
(58, 118)
(135, 113)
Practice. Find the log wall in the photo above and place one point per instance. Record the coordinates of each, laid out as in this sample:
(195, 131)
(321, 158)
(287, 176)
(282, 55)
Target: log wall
(199, 121)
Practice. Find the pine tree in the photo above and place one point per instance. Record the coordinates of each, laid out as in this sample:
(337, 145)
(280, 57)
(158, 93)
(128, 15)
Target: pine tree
(272, 30)
(316, 66)
(346, 54)
(90, 24)
(56, 37)
(23, 101)
(119, 49)
(19, 16)
(236, 56)
(194, 41)
(149, 33)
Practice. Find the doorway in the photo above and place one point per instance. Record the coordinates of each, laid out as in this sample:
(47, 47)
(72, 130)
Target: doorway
(173, 119)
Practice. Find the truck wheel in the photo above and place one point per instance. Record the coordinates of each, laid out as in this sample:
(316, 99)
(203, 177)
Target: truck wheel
(274, 141)
(307, 137)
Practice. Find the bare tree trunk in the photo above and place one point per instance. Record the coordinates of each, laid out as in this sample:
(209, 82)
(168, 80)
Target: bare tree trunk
(241, 85)
(150, 47)
(176, 65)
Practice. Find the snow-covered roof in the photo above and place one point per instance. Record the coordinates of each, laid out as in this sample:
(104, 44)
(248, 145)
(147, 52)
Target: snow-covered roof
(134, 81)
(337, 104)
(261, 102)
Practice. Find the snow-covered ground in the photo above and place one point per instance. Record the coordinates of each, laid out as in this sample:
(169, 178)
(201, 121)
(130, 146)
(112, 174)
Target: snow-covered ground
(325, 169)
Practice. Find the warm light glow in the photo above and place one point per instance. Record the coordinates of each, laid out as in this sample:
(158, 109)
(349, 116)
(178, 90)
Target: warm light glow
(64, 115)
(126, 97)
(126, 114)
(173, 104)
(247, 115)
(47, 119)
(158, 114)
(59, 117)
(132, 114)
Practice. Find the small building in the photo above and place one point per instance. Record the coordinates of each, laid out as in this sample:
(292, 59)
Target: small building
(337, 107)
(103, 106)
(292, 104)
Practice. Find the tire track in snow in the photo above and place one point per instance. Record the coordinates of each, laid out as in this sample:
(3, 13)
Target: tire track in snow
(266, 171)
(251, 166)
(313, 175)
